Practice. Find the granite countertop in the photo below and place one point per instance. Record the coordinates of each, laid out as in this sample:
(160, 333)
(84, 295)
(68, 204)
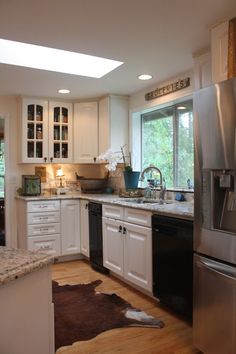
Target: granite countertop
(15, 263)
(183, 209)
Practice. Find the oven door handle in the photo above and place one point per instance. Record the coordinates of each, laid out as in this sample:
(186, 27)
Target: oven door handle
(216, 270)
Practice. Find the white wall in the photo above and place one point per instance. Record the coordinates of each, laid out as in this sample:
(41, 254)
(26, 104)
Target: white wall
(138, 103)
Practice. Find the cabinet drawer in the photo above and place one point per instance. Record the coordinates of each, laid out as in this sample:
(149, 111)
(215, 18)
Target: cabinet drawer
(43, 229)
(113, 211)
(41, 218)
(44, 205)
(137, 216)
(49, 244)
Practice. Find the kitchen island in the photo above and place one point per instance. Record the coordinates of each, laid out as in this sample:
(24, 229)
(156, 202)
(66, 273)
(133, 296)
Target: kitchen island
(27, 316)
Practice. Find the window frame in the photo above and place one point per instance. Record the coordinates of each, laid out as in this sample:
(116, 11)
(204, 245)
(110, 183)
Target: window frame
(137, 127)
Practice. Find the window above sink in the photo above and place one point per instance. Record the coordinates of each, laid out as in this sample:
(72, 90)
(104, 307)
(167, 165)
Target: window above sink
(164, 137)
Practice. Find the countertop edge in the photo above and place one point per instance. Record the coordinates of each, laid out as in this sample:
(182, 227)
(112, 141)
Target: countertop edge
(177, 209)
(21, 267)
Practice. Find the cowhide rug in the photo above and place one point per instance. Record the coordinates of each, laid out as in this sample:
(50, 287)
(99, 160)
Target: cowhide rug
(81, 313)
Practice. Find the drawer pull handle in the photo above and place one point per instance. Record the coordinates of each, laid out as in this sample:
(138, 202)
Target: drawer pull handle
(43, 218)
(45, 247)
(43, 229)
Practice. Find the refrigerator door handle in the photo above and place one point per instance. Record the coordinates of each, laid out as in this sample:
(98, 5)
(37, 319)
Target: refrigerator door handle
(217, 270)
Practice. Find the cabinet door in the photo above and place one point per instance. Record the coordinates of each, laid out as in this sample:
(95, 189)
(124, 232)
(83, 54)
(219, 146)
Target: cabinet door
(113, 256)
(34, 132)
(219, 52)
(113, 122)
(60, 132)
(84, 227)
(70, 226)
(85, 132)
(138, 255)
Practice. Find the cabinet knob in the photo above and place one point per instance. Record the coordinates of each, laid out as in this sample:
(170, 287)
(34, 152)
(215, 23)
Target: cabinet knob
(51, 159)
(45, 159)
(124, 230)
(120, 228)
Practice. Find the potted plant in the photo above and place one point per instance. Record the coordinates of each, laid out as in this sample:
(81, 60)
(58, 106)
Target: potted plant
(131, 177)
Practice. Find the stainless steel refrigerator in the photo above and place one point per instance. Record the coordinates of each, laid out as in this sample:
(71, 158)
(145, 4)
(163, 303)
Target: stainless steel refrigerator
(214, 314)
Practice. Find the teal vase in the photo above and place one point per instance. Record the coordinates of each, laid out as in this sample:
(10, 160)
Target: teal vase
(131, 179)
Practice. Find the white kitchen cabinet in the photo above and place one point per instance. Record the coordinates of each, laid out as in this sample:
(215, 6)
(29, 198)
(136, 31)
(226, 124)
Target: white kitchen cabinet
(127, 247)
(84, 227)
(113, 122)
(219, 52)
(70, 226)
(46, 130)
(34, 130)
(202, 69)
(113, 245)
(39, 227)
(138, 255)
(85, 132)
(60, 132)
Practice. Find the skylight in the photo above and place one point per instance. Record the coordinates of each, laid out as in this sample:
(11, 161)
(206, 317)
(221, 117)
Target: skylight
(38, 57)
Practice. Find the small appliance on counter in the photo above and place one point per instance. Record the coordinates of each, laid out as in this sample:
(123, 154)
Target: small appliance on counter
(31, 185)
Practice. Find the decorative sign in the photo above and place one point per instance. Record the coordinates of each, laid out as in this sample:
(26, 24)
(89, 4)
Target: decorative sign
(165, 90)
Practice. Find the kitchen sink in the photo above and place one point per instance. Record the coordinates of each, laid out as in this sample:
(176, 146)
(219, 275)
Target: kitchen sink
(146, 201)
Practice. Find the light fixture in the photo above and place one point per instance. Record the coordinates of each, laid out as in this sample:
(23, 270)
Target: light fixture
(145, 77)
(39, 57)
(181, 107)
(64, 91)
(59, 175)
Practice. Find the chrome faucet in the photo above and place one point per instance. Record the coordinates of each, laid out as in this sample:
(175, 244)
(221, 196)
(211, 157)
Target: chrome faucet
(149, 168)
(149, 190)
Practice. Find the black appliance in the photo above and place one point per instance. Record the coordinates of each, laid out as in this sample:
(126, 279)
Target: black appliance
(95, 237)
(173, 263)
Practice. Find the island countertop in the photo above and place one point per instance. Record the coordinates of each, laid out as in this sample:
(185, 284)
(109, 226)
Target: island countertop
(16, 263)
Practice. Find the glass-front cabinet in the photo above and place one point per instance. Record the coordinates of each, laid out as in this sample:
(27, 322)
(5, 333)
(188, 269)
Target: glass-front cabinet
(34, 131)
(60, 132)
(46, 131)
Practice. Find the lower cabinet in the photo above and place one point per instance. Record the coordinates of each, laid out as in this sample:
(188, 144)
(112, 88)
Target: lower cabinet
(70, 226)
(127, 251)
(51, 226)
(84, 228)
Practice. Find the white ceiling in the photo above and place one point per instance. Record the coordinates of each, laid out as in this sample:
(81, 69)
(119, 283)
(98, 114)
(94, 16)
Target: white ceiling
(149, 36)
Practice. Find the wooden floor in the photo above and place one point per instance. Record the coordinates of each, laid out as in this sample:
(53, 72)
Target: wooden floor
(174, 338)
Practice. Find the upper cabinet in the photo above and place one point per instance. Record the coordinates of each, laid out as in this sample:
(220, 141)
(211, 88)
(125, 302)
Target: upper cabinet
(219, 52)
(202, 69)
(113, 122)
(34, 130)
(85, 132)
(60, 132)
(46, 131)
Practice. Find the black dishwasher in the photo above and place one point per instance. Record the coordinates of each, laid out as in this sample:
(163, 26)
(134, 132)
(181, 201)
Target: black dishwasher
(172, 241)
(95, 237)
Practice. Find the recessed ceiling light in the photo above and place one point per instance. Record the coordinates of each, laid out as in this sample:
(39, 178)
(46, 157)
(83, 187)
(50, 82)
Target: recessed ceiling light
(145, 77)
(63, 91)
(181, 107)
(38, 57)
